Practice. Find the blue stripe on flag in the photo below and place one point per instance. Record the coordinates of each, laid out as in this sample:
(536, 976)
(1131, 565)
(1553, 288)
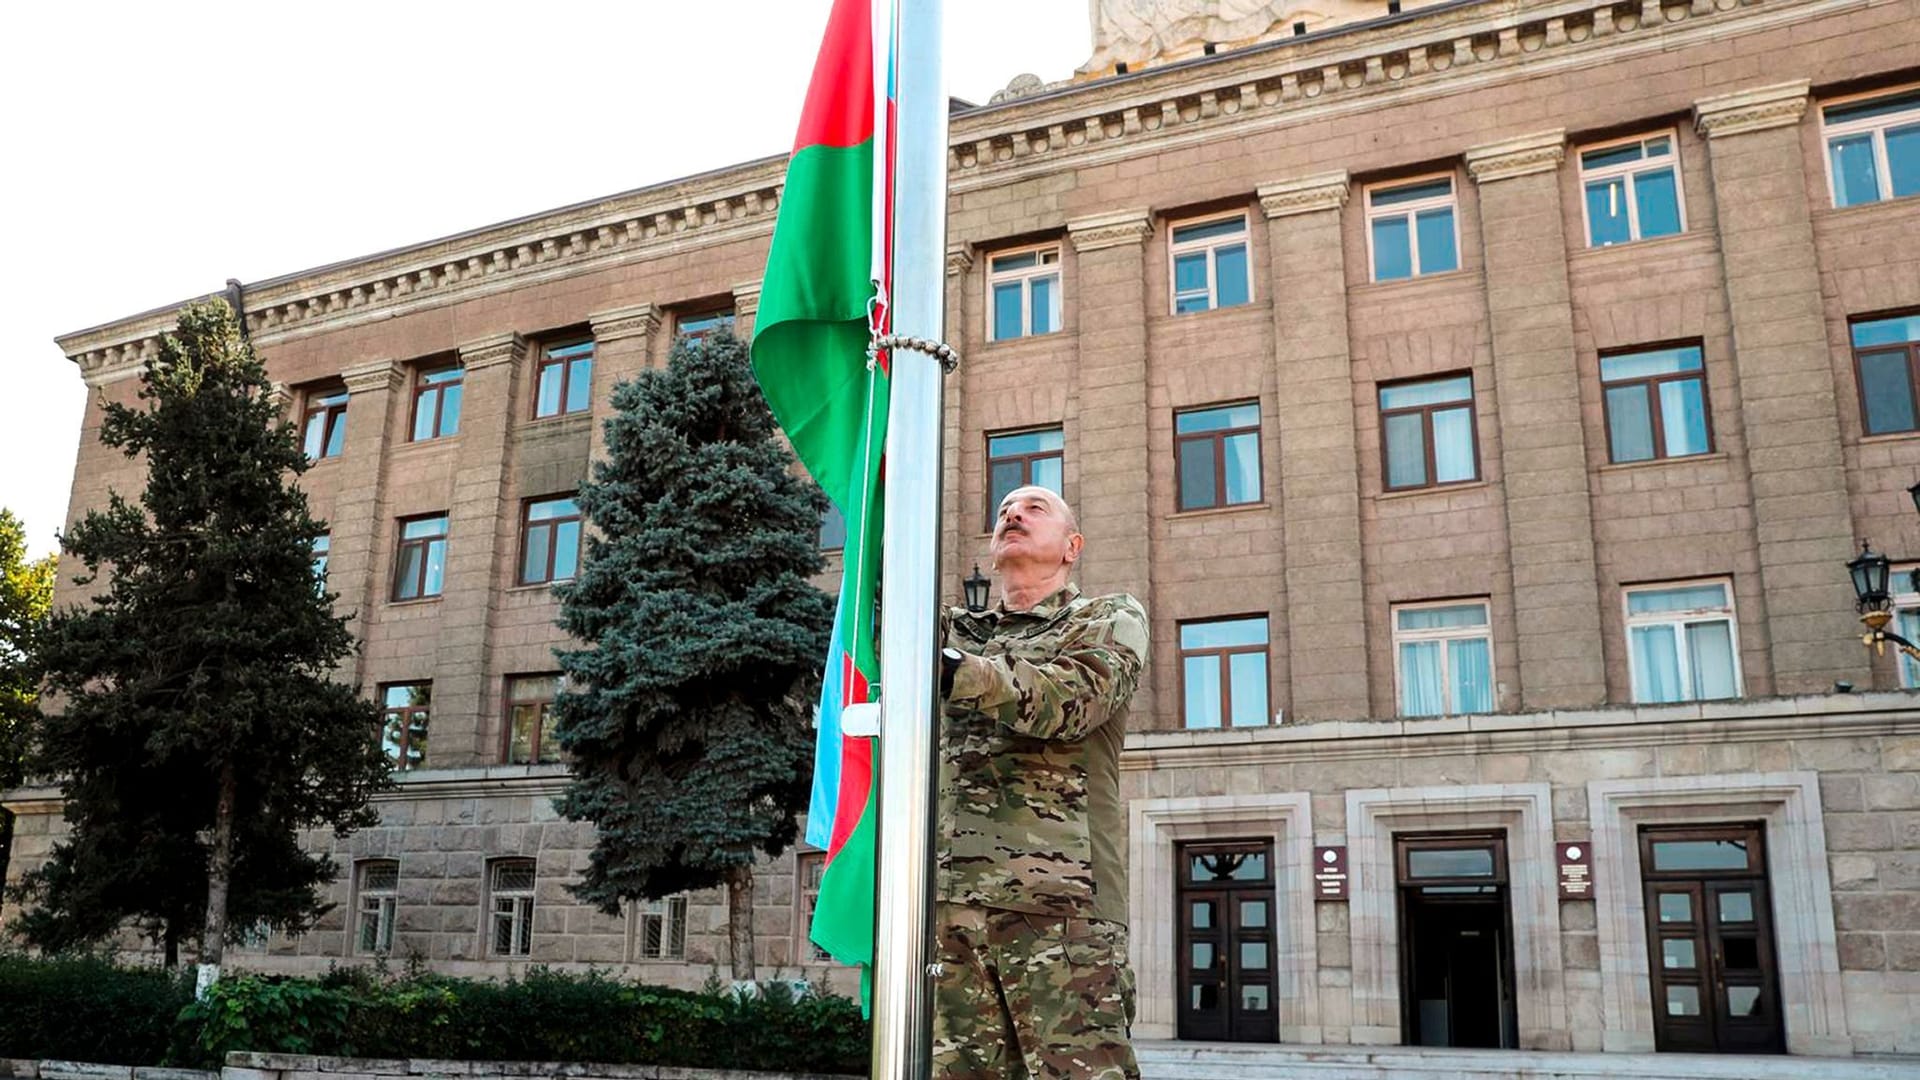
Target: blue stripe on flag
(827, 743)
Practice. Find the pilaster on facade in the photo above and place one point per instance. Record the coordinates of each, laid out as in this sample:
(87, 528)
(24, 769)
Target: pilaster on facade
(1114, 502)
(281, 395)
(622, 345)
(1758, 109)
(1117, 229)
(374, 396)
(1790, 415)
(746, 305)
(1319, 456)
(480, 529)
(1543, 441)
(953, 423)
(959, 260)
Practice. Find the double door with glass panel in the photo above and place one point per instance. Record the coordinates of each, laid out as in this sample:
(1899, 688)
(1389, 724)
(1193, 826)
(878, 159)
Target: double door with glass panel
(1715, 981)
(1226, 901)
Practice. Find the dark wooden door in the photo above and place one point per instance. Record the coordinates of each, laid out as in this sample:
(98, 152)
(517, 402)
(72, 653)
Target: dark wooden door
(1714, 978)
(1226, 905)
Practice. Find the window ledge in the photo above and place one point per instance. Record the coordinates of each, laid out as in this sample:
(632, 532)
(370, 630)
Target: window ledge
(1432, 489)
(1211, 511)
(538, 586)
(1828, 210)
(1031, 341)
(1890, 437)
(558, 420)
(410, 446)
(417, 601)
(1715, 458)
(1679, 239)
(1457, 276)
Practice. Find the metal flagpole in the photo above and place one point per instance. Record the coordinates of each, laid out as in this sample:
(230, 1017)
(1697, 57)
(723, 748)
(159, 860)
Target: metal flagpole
(910, 559)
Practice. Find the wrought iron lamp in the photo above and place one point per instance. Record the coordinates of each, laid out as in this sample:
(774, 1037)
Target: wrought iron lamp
(977, 589)
(1869, 571)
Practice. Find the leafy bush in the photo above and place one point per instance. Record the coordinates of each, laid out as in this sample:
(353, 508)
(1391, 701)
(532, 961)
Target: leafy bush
(88, 1009)
(66, 1008)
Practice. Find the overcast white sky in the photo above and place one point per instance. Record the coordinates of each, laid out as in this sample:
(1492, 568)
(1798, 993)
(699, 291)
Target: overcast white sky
(156, 149)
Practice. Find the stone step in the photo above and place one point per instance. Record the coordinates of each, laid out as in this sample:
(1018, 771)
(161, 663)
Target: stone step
(1168, 1060)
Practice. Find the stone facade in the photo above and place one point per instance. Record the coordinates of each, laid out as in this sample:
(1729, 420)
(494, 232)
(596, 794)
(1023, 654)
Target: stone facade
(1764, 278)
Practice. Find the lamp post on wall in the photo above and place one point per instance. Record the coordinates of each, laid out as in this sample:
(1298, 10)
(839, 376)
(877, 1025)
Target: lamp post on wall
(978, 589)
(1869, 571)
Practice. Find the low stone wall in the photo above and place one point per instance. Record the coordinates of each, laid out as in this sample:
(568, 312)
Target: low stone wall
(245, 1066)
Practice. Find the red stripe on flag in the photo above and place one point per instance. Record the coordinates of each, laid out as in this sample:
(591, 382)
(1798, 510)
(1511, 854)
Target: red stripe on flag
(856, 765)
(839, 108)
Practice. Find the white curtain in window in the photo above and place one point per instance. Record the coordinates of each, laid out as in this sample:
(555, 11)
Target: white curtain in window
(1656, 665)
(1452, 446)
(1471, 671)
(1710, 652)
(1420, 688)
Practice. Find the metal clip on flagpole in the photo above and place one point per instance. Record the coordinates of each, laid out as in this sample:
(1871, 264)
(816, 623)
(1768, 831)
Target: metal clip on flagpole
(910, 558)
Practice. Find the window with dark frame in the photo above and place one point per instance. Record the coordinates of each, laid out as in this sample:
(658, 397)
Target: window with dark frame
(408, 710)
(1886, 367)
(1022, 458)
(1223, 673)
(564, 382)
(1217, 456)
(549, 541)
(325, 426)
(530, 716)
(1427, 433)
(696, 327)
(1655, 402)
(322, 549)
(420, 565)
(377, 888)
(510, 888)
(436, 402)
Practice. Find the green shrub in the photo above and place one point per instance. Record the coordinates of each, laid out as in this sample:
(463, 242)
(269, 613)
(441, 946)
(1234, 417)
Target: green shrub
(69, 1008)
(88, 1009)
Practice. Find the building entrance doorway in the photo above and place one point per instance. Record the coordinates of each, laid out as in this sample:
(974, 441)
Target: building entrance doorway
(1715, 981)
(1456, 941)
(1225, 899)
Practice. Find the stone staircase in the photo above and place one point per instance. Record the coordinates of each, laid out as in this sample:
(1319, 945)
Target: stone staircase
(1167, 1060)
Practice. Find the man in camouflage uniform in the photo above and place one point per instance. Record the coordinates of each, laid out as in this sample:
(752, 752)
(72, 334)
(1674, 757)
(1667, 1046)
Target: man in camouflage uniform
(1032, 922)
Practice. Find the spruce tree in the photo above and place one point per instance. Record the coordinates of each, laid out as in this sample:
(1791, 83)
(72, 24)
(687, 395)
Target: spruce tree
(198, 728)
(687, 718)
(26, 592)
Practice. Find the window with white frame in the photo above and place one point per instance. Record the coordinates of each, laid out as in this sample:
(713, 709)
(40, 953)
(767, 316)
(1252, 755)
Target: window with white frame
(510, 907)
(1025, 286)
(1873, 146)
(1210, 264)
(1682, 642)
(1906, 619)
(377, 891)
(1412, 228)
(1632, 190)
(1443, 658)
(659, 928)
(811, 867)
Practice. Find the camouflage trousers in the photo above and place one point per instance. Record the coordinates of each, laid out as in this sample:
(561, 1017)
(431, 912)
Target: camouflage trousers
(1023, 995)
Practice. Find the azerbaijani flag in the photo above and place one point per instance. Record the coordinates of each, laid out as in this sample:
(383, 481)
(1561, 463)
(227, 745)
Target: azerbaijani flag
(823, 293)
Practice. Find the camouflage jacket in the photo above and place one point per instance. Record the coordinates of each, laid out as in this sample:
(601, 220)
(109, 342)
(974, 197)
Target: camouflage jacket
(1030, 812)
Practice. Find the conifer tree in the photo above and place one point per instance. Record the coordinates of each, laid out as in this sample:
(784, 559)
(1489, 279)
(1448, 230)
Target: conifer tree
(26, 592)
(198, 728)
(687, 718)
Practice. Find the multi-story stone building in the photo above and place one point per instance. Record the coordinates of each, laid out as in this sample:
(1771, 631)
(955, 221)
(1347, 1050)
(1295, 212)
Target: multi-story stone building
(1483, 399)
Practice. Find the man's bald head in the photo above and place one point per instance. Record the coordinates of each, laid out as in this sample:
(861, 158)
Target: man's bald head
(1035, 491)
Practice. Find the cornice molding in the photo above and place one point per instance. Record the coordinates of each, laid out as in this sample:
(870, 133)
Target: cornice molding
(1758, 109)
(1116, 229)
(638, 321)
(374, 375)
(1306, 195)
(507, 348)
(1542, 151)
(959, 260)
